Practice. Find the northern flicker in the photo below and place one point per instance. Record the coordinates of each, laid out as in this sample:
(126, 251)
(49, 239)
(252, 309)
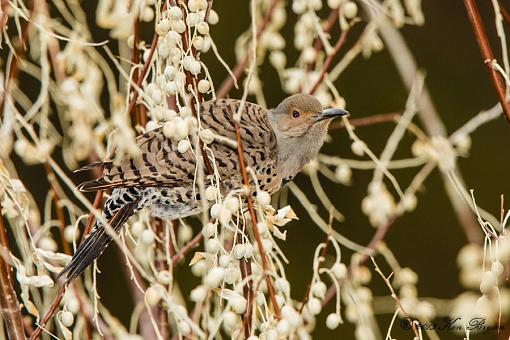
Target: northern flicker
(277, 145)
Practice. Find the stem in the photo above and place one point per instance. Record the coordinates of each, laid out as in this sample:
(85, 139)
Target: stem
(90, 220)
(253, 215)
(505, 14)
(488, 55)
(161, 265)
(245, 267)
(187, 248)
(367, 121)
(329, 60)
(140, 115)
(332, 20)
(49, 313)
(9, 307)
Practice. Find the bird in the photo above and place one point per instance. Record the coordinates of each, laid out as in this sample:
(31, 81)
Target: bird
(277, 144)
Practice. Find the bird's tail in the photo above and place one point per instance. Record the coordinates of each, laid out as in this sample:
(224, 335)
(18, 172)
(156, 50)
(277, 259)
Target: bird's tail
(98, 240)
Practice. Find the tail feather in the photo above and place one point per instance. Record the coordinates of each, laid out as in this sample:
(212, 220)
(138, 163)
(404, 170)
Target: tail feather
(94, 185)
(96, 243)
(94, 165)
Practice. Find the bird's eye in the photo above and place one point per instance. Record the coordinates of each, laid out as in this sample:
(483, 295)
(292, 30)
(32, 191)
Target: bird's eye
(295, 113)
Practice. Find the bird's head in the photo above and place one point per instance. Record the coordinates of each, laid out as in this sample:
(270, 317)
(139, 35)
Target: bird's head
(300, 125)
(302, 114)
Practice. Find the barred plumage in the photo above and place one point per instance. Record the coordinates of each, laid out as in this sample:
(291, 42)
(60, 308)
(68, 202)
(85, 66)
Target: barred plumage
(277, 144)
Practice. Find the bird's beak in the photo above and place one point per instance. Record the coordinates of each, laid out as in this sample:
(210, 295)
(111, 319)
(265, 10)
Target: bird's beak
(330, 114)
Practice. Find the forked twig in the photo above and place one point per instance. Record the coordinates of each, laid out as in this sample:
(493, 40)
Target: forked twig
(488, 55)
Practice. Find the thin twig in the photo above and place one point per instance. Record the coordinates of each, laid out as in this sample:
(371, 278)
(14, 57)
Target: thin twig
(245, 267)
(162, 264)
(187, 248)
(253, 216)
(329, 60)
(9, 307)
(330, 23)
(394, 295)
(367, 121)
(140, 115)
(488, 55)
(49, 313)
(90, 220)
(505, 14)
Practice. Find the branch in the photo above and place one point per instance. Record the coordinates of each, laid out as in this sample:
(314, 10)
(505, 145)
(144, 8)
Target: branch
(488, 55)
(187, 248)
(367, 121)
(37, 333)
(91, 219)
(10, 309)
(329, 60)
(372, 245)
(330, 23)
(161, 264)
(505, 14)
(253, 215)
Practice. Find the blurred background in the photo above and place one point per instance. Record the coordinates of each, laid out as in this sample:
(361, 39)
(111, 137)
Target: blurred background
(427, 239)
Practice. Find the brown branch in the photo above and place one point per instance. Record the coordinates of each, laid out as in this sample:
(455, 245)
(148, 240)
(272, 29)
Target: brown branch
(228, 83)
(9, 307)
(49, 313)
(329, 60)
(488, 55)
(19, 55)
(253, 215)
(140, 115)
(187, 248)
(91, 219)
(330, 23)
(505, 14)
(161, 265)
(245, 268)
(367, 121)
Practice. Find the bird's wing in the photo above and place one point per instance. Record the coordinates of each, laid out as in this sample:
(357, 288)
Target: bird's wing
(158, 164)
(259, 139)
(256, 132)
